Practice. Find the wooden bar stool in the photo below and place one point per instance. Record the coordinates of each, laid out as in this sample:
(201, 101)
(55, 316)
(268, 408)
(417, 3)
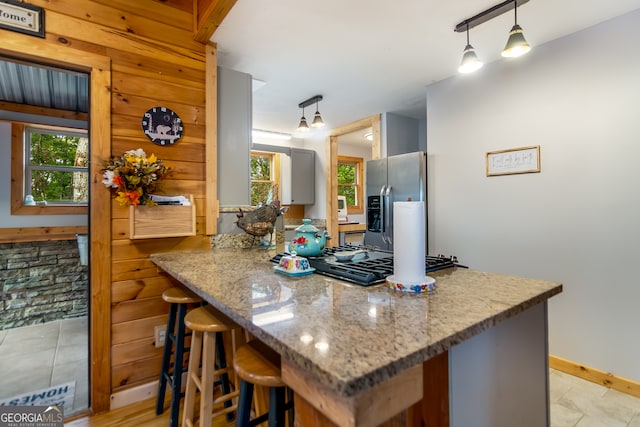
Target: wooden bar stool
(207, 346)
(175, 335)
(258, 365)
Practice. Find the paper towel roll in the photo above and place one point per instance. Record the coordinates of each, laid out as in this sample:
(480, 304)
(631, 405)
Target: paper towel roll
(408, 241)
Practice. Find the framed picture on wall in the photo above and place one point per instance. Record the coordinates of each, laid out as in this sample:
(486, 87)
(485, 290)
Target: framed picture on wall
(513, 161)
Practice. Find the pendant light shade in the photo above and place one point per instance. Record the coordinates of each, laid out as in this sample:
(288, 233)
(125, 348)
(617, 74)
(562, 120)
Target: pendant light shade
(470, 61)
(516, 44)
(317, 119)
(303, 126)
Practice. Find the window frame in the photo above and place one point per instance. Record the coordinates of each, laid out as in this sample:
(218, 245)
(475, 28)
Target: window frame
(359, 166)
(275, 169)
(18, 174)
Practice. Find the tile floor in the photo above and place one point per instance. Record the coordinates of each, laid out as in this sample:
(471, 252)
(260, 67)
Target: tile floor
(44, 355)
(579, 403)
(35, 357)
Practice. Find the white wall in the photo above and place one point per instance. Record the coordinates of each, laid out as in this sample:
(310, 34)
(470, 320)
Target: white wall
(577, 221)
(13, 221)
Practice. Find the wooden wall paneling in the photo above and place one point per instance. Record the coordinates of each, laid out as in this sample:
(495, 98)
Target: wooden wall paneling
(135, 373)
(211, 120)
(190, 170)
(138, 309)
(196, 188)
(136, 329)
(129, 63)
(157, 90)
(122, 38)
(129, 249)
(133, 350)
(173, 12)
(132, 269)
(36, 234)
(128, 19)
(180, 151)
(140, 288)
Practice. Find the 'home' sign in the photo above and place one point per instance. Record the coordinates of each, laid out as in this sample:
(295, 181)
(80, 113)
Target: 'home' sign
(22, 17)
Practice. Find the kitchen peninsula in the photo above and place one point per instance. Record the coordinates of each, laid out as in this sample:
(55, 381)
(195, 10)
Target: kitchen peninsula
(362, 355)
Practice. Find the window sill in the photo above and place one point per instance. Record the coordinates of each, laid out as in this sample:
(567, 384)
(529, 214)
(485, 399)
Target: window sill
(49, 210)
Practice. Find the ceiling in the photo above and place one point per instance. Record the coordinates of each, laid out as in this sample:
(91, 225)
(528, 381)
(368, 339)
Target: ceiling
(43, 86)
(367, 56)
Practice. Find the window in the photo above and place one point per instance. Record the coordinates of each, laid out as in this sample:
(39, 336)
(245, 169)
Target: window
(53, 165)
(350, 182)
(265, 173)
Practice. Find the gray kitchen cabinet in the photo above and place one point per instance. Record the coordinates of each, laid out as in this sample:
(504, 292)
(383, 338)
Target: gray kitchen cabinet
(234, 137)
(303, 177)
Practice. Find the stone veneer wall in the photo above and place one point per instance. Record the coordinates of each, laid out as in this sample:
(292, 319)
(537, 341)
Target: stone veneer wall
(41, 282)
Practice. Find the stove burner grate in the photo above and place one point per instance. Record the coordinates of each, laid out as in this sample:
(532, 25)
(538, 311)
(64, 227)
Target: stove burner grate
(366, 270)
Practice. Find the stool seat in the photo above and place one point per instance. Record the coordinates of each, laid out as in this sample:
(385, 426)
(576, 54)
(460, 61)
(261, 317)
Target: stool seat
(204, 320)
(177, 295)
(252, 364)
(258, 365)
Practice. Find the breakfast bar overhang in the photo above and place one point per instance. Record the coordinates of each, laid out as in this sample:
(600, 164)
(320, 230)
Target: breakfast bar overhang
(472, 352)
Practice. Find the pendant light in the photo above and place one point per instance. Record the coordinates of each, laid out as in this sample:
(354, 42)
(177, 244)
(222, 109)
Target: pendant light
(317, 119)
(470, 61)
(303, 126)
(516, 44)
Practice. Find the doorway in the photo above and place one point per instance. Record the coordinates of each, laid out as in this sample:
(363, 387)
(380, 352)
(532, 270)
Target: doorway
(45, 287)
(372, 124)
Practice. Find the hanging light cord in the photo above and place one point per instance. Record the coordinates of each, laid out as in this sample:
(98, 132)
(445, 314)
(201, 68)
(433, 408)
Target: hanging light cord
(515, 11)
(467, 34)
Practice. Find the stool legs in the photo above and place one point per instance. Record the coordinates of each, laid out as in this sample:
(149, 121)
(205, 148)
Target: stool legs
(192, 379)
(276, 407)
(174, 335)
(243, 417)
(205, 347)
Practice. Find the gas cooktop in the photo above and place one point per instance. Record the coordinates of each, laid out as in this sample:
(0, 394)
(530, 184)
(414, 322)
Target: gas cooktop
(368, 268)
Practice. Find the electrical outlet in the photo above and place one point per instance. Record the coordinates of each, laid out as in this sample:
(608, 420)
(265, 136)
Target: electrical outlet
(160, 333)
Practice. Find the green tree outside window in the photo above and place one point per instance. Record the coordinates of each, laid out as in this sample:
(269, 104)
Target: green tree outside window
(56, 169)
(261, 168)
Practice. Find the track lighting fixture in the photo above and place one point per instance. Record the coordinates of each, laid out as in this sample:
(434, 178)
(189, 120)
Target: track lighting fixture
(516, 45)
(317, 118)
(470, 61)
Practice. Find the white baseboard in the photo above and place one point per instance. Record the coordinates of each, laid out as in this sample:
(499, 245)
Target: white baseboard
(133, 395)
(139, 393)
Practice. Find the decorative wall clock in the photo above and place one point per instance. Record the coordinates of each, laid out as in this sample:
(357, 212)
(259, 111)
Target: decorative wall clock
(162, 126)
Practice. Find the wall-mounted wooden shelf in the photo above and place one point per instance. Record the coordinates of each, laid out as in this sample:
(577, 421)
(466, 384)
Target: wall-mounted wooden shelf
(150, 222)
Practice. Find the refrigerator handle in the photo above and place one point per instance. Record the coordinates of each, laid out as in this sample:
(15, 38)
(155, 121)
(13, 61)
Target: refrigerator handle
(382, 220)
(389, 216)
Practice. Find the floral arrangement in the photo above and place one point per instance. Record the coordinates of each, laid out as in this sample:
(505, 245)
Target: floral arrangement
(133, 177)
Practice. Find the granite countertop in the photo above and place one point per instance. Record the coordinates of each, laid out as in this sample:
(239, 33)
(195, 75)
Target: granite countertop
(344, 336)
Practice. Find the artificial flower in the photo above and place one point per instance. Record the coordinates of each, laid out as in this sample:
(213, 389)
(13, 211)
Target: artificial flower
(133, 177)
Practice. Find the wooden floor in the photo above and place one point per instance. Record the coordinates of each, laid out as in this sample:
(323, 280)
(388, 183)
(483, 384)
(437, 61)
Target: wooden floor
(141, 414)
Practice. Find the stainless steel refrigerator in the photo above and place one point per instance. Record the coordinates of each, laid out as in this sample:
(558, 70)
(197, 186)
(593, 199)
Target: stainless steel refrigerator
(396, 178)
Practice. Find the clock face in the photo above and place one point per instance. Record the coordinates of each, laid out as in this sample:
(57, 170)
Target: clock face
(162, 126)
